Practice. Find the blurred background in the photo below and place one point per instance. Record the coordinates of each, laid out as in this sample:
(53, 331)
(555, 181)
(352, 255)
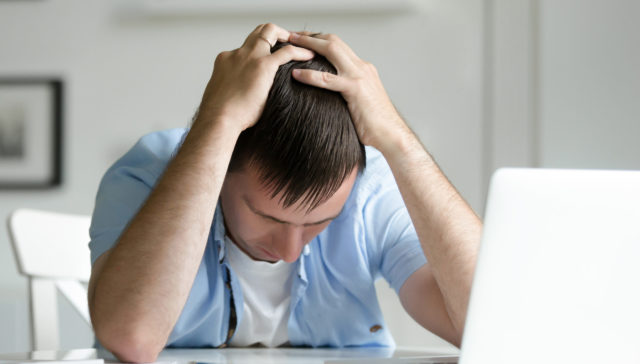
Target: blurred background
(484, 83)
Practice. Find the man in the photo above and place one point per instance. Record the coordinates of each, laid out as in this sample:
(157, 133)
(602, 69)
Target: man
(198, 241)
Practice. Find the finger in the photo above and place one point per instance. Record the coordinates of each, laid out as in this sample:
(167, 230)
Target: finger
(306, 32)
(335, 38)
(304, 39)
(270, 34)
(291, 53)
(265, 36)
(321, 79)
(332, 51)
(257, 29)
(252, 34)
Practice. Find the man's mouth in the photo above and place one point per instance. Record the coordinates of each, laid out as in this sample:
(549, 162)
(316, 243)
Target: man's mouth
(269, 255)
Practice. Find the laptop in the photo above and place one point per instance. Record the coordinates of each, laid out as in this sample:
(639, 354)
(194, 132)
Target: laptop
(558, 272)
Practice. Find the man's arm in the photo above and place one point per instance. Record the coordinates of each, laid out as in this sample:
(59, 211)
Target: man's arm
(437, 294)
(139, 287)
(449, 232)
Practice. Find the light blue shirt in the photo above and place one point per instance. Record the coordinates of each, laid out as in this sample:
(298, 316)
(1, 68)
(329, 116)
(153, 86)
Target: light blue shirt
(333, 298)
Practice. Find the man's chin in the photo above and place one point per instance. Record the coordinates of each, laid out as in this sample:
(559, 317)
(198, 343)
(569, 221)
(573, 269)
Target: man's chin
(267, 257)
(256, 253)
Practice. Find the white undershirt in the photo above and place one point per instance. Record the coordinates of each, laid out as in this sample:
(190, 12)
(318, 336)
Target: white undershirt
(266, 290)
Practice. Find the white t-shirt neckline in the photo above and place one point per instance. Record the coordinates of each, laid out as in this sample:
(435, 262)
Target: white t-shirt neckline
(266, 292)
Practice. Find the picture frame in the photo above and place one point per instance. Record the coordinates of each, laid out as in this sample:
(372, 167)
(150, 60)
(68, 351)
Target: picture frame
(30, 133)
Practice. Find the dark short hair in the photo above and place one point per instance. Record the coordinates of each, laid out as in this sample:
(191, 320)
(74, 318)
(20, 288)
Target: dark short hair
(304, 144)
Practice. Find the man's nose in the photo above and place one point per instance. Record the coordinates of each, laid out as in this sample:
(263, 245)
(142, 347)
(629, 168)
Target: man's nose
(290, 243)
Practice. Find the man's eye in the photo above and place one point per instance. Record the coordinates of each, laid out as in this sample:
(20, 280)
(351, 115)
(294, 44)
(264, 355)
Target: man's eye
(318, 224)
(272, 220)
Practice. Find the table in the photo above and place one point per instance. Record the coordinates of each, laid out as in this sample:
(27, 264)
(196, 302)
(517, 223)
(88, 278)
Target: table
(250, 355)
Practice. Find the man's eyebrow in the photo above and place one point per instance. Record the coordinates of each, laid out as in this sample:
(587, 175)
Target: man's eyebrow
(258, 212)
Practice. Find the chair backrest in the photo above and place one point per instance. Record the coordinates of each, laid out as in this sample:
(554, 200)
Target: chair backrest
(51, 249)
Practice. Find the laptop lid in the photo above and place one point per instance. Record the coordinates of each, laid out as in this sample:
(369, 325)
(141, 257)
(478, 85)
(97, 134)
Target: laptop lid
(558, 272)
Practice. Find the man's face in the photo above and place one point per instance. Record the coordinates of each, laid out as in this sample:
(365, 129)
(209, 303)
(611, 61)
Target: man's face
(266, 231)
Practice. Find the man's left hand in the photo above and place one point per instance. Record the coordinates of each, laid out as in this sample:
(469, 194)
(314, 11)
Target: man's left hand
(436, 295)
(375, 118)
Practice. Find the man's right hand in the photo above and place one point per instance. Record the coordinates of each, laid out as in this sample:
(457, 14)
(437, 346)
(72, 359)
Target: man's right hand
(139, 287)
(242, 78)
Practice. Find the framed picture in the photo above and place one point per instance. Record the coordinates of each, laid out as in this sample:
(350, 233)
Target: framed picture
(30, 133)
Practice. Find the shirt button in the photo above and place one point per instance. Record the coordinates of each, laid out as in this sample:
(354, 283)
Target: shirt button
(375, 328)
(227, 284)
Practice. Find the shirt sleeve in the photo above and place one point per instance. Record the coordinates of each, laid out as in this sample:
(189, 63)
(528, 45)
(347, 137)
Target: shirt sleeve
(392, 238)
(126, 186)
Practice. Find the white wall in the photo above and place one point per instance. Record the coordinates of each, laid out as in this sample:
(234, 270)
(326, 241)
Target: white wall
(589, 84)
(128, 76)
(562, 84)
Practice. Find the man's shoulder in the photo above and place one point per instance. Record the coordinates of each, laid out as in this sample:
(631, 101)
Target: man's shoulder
(160, 144)
(377, 174)
(375, 184)
(153, 151)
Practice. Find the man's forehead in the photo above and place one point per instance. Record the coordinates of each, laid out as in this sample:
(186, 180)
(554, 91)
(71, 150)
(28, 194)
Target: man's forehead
(259, 197)
(262, 181)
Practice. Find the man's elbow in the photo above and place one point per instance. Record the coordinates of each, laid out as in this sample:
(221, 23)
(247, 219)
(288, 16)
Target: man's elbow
(130, 346)
(457, 342)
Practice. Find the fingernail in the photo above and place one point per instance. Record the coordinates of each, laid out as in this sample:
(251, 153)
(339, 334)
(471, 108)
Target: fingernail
(294, 35)
(296, 72)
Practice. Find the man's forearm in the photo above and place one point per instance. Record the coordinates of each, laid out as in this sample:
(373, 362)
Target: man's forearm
(448, 229)
(146, 278)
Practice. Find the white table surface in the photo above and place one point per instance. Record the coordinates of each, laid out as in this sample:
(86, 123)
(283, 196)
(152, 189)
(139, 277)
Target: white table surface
(244, 355)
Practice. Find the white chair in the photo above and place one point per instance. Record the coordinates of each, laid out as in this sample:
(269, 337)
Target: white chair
(51, 250)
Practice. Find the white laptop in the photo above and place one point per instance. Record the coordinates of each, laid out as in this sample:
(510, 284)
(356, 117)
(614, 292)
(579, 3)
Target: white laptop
(558, 272)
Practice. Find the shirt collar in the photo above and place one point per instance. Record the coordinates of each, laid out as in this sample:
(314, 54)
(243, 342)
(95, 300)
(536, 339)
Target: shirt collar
(219, 232)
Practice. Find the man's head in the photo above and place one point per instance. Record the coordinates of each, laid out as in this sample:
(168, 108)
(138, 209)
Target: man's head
(298, 163)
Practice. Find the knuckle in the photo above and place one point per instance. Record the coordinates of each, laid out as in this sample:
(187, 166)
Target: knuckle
(222, 56)
(333, 38)
(359, 82)
(367, 67)
(328, 77)
(333, 47)
(289, 49)
(370, 66)
(263, 64)
(269, 27)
